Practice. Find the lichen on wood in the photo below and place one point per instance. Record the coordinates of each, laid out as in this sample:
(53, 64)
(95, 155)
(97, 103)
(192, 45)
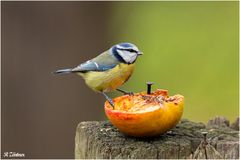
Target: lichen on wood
(102, 140)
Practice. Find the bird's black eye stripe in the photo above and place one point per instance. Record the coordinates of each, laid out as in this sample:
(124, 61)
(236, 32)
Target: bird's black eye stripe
(129, 50)
(132, 50)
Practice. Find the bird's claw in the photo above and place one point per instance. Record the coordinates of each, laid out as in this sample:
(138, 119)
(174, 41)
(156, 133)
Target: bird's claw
(109, 99)
(125, 93)
(111, 103)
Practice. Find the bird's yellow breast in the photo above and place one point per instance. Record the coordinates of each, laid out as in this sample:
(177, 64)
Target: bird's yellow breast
(108, 80)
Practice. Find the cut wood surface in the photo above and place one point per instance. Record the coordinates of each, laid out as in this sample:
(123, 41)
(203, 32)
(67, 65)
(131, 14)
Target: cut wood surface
(217, 139)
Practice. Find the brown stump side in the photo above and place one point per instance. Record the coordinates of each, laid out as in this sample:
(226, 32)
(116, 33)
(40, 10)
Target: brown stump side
(102, 140)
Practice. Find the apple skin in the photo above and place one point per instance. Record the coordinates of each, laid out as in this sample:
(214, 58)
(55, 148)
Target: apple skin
(148, 123)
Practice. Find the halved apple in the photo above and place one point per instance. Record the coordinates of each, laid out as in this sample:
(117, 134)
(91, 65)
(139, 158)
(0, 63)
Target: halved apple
(145, 115)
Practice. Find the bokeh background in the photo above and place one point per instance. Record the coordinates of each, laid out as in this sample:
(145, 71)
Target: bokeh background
(190, 48)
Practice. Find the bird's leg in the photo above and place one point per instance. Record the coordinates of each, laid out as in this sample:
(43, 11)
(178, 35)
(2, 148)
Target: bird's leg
(124, 92)
(109, 99)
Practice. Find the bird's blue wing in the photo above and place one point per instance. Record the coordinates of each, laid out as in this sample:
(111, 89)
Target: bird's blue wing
(103, 62)
(93, 66)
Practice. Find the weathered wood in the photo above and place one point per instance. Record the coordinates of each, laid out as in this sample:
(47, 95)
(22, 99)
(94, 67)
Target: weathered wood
(102, 140)
(218, 121)
(235, 124)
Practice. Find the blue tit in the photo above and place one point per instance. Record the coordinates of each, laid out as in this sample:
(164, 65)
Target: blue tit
(109, 70)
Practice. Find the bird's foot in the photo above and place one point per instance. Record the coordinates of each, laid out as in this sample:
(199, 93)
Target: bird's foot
(111, 102)
(109, 99)
(125, 93)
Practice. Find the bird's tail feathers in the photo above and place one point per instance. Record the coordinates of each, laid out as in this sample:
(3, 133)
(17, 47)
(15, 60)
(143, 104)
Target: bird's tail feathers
(63, 71)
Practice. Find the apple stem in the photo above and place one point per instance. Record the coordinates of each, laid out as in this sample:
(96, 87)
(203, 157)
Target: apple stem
(149, 85)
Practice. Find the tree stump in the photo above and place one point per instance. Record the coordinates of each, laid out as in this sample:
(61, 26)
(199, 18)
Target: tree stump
(187, 140)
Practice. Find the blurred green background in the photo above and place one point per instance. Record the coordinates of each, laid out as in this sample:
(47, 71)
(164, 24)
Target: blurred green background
(190, 48)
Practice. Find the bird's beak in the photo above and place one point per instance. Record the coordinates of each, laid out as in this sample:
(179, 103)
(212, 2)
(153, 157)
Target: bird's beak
(140, 53)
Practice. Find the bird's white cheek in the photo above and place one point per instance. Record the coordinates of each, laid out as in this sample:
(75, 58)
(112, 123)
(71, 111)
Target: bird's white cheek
(128, 57)
(133, 57)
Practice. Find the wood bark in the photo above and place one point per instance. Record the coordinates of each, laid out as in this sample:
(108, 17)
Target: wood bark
(218, 139)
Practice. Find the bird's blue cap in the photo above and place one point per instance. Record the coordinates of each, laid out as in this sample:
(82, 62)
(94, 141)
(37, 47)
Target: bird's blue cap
(126, 45)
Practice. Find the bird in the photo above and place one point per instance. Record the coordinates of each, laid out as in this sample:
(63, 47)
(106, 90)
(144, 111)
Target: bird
(109, 70)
